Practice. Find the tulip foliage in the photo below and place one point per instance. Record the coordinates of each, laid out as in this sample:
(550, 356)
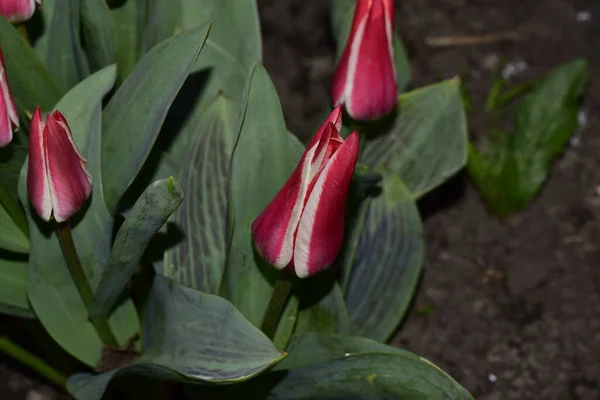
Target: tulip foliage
(201, 200)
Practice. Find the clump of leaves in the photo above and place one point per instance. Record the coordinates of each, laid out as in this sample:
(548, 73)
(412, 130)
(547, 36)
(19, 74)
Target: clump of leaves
(513, 166)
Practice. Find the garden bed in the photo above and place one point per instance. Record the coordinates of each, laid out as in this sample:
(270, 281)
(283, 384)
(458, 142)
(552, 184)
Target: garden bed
(510, 308)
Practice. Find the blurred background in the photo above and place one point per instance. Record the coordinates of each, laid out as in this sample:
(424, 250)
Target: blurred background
(510, 308)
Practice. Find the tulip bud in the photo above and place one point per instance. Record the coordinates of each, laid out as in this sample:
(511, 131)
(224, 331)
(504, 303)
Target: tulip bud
(57, 179)
(303, 226)
(18, 10)
(9, 118)
(365, 78)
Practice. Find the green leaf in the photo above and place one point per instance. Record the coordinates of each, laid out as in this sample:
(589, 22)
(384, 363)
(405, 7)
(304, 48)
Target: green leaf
(199, 259)
(46, 13)
(29, 80)
(342, 13)
(513, 167)
(133, 117)
(190, 336)
(427, 142)
(130, 20)
(12, 159)
(259, 168)
(98, 31)
(224, 63)
(52, 292)
(339, 367)
(148, 215)
(63, 55)
(232, 20)
(163, 22)
(13, 288)
(314, 348)
(11, 237)
(387, 262)
(322, 306)
(368, 376)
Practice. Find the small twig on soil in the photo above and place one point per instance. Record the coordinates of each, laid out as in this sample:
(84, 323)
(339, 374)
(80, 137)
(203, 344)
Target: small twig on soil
(492, 38)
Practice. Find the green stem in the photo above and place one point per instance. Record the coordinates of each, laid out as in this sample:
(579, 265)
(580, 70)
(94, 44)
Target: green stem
(15, 351)
(14, 209)
(22, 29)
(279, 299)
(83, 286)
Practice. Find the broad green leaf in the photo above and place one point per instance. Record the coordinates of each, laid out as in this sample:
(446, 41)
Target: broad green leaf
(313, 348)
(322, 306)
(190, 336)
(12, 159)
(98, 31)
(11, 237)
(164, 20)
(46, 13)
(29, 80)
(340, 367)
(130, 19)
(148, 215)
(232, 20)
(366, 376)
(224, 63)
(342, 13)
(513, 167)
(13, 288)
(133, 117)
(63, 55)
(52, 292)
(427, 142)
(259, 168)
(199, 259)
(387, 262)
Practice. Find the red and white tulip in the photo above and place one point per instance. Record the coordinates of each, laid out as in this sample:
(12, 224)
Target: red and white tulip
(303, 226)
(18, 10)
(365, 78)
(57, 179)
(9, 118)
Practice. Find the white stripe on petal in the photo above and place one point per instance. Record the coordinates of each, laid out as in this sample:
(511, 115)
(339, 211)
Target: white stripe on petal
(287, 248)
(352, 63)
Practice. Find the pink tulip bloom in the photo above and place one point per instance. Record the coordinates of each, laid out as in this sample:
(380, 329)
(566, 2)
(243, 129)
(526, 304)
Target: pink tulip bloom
(57, 179)
(365, 78)
(303, 226)
(9, 118)
(18, 10)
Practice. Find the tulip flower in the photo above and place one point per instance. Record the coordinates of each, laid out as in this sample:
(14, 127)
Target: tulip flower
(9, 118)
(365, 78)
(57, 179)
(303, 226)
(18, 10)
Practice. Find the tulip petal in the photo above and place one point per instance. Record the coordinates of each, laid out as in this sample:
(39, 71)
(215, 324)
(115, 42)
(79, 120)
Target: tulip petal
(8, 111)
(275, 228)
(335, 118)
(38, 185)
(321, 227)
(7, 94)
(372, 82)
(70, 182)
(6, 132)
(18, 10)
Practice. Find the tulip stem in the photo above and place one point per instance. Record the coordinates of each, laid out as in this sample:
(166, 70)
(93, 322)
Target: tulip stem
(83, 286)
(30, 360)
(279, 298)
(13, 208)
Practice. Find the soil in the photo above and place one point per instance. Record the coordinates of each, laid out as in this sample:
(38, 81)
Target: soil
(510, 308)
